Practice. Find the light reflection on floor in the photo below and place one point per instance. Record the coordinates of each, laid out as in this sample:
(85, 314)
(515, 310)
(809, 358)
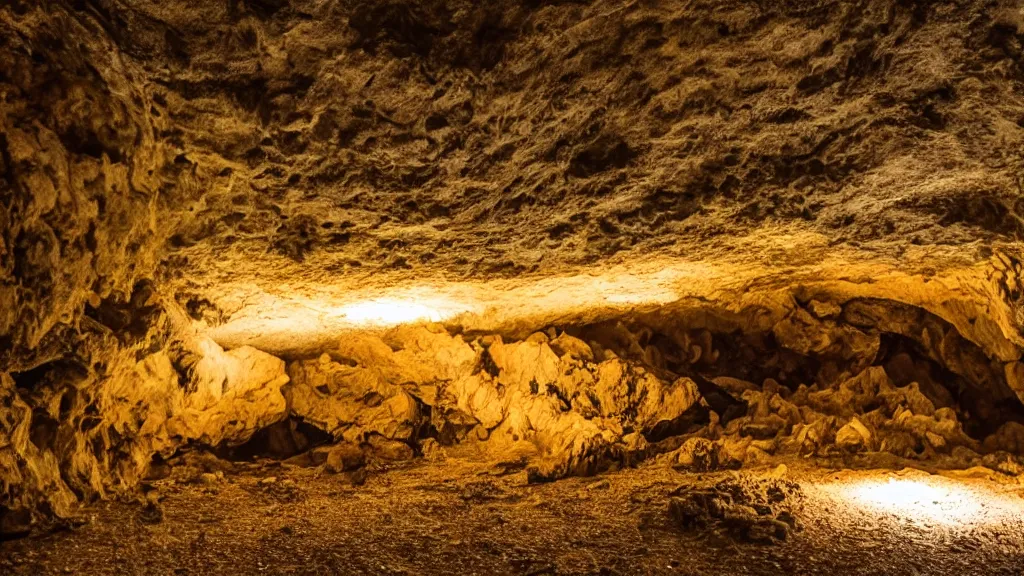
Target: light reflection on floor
(921, 499)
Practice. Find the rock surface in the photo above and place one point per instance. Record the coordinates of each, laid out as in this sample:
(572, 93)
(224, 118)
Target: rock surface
(825, 201)
(577, 414)
(369, 139)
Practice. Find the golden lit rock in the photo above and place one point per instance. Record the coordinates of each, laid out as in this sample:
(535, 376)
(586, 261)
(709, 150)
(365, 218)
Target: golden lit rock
(539, 284)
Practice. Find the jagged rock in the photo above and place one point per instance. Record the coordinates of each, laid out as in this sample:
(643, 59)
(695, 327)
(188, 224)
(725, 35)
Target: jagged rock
(423, 355)
(735, 386)
(937, 442)
(349, 402)
(904, 370)
(764, 429)
(909, 396)
(524, 365)
(805, 334)
(238, 396)
(703, 455)
(1014, 372)
(311, 458)
(852, 394)
(477, 395)
(824, 310)
(753, 510)
(433, 451)
(392, 450)
(566, 345)
(617, 395)
(576, 411)
(853, 436)
(142, 410)
(344, 457)
(1009, 437)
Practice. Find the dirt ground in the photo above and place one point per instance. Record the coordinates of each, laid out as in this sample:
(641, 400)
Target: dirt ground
(465, 517)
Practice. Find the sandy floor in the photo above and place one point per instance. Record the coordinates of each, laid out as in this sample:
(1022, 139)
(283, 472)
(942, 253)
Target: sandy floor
(465, 518)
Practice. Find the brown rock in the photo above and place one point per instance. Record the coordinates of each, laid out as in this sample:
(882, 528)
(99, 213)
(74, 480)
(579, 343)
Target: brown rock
(390, 449)
(853, 436)
(344, 457)
(138, 214)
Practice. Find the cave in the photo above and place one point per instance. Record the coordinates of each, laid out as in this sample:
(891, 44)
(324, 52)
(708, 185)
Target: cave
(511, 287)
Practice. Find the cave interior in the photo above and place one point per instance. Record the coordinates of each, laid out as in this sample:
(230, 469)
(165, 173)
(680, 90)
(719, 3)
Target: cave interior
(522, 286)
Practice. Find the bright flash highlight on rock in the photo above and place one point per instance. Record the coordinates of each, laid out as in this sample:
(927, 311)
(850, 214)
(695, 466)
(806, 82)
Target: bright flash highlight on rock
(387, 312)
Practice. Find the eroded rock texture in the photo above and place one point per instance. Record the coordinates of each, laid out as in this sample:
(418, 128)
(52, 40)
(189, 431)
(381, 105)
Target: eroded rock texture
(162, 162)
(716, 393)
(505, 137)
(575, 412)
(91, 423)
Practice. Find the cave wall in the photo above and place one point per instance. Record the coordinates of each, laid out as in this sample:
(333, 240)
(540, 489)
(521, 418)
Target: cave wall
(96, 374)
(81, 169)
(157, 156)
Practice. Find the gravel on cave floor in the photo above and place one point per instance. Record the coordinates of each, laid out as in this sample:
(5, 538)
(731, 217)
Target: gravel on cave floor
(466, 517)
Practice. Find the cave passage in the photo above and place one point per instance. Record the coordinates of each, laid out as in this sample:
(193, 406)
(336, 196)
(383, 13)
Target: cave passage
(511, 287)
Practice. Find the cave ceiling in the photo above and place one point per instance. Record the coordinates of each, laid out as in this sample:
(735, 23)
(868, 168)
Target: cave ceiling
(255, 154)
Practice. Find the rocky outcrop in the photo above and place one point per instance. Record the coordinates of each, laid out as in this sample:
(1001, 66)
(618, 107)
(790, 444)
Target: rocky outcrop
(723, 389)
(231, 396)
(578, 415)
(350, 403)
(583, 415)
(78, 431)
(838, 179)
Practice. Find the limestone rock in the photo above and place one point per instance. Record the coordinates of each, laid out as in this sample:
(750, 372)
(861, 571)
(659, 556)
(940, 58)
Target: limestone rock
(392, 450)
(433, 451)
(291, 151)
(703, 455)
(349, 402)
(477, 395)
(853, 436)
(344, 457)
(423, 355)
(1014, 373)
(524, 365)
(1009, 437)
(243, 397)
(566, 345)
(824, 310)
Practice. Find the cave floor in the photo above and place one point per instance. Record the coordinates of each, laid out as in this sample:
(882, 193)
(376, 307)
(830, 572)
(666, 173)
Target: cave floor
(466, 517)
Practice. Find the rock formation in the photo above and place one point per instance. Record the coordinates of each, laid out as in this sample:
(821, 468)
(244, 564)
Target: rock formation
(824, 200)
